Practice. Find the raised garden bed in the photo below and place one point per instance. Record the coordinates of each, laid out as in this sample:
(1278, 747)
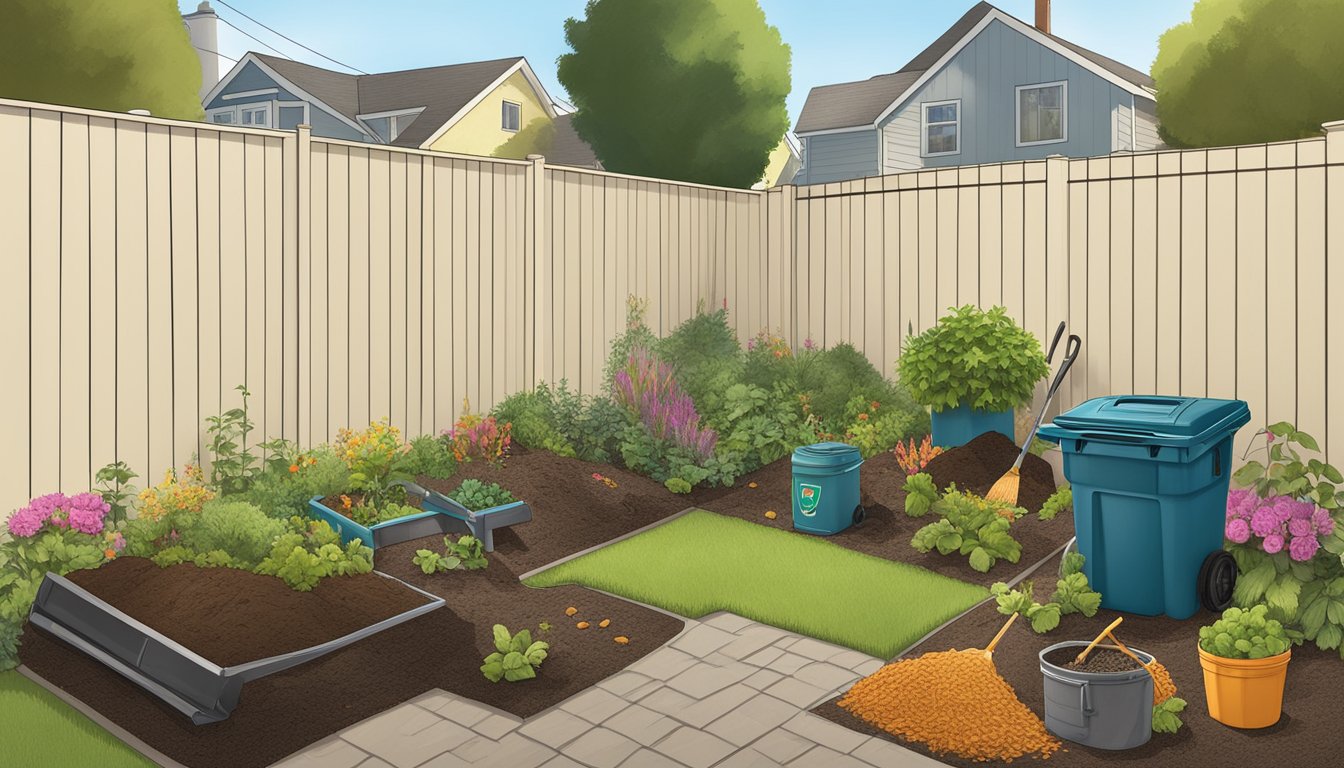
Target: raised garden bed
(1307, 734)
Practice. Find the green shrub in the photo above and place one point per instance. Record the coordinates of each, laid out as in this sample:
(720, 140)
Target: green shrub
(663, 460)
(534, 417)
(237, 528)
(516, 657)
(1072, 595)
(282, 493)
(302, 561)
(703, 352)
(973, 357)
(1244, 634)
(635, 336)
(476, 495)
(971, 526)
(920, 494)
(9, 643)
(432, 456)
(759, 427)
(556, 419)
(1061, 500)
(876, 428)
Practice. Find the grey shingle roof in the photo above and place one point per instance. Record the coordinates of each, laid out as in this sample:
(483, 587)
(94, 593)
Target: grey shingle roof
(568, 148)
(845, 105)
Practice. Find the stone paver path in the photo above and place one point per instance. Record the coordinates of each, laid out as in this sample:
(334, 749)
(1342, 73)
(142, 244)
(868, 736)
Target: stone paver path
(726, 692)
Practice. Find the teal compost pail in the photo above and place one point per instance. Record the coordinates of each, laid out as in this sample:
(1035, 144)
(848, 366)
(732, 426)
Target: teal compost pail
(1150, 477)
(826, 488)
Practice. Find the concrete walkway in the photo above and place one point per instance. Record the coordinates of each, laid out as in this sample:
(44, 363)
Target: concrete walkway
(726, 692)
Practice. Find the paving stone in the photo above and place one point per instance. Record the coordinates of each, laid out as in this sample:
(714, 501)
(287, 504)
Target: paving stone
(560, 761)
(515, 751)
(333, 752)
(706, 711)
(642, 724)
(555, 728)
(375, 762)
(447, 760)
(828, 757)
(623, 683)
(601, 748)
(644, 690)
(851, 659)
(763, 679)
(495, 726)
(664, 664)
(704, 679)
(758, 716)
(788, 663)
(406, 736)
(815, 649)
(595, 705)
(748, 758)
(459, 710)
(647, 758)
(728, 622)
(798, 693)
(781, 745)
(869, 667)
(751, 640)
(824, 732)
(765, 657)
(826, 676)
(787, 642)
(702, 640)
(667, 701)
(476, 748)
(884, 754)
(694, 747)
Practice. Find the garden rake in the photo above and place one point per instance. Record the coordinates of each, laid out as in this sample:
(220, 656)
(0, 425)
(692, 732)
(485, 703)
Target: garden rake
(1005, 489)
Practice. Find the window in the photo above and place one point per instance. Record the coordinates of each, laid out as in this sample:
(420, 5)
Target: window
(222, 117)
(401, 122)
(1042, 113)
(511, 116)
(942, 128)
(254, 115)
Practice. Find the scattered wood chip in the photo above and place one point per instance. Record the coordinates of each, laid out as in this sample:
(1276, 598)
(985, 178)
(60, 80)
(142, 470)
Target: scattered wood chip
(570, 611)
(582, 625)
(604, 623)
(621, 640)
(770, 514)
(751, 485)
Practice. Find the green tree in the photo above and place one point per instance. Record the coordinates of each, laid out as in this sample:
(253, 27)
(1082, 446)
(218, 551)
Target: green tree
(536, 138)
(1247, 71)
(678, 89)
(118, 56)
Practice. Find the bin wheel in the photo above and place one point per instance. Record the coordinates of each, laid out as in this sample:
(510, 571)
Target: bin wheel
(1217, 577)
(859, 515)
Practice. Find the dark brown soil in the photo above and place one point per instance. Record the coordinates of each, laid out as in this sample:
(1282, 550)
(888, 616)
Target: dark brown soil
(1099, 661)
(888, 530)
(285, 712)
(1307, 734)
(977, 465)
(232, 617)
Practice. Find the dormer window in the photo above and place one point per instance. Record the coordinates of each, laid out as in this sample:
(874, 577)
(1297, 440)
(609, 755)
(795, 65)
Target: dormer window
(510, 117)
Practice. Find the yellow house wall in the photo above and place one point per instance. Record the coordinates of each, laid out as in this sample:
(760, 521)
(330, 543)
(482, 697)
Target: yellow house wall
(479, 131)
(779, 157)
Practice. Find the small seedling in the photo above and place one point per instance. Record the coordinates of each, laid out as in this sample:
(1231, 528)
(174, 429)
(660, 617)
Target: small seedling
(467, 554)
(516, 657)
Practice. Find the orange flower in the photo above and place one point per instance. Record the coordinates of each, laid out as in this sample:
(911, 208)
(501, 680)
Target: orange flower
(345, 502)
(863, 417)
(293, 467)
(110, 553)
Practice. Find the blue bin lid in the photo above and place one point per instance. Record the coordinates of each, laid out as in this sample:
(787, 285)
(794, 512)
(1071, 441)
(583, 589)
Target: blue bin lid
(825, 455)
(1150, 420)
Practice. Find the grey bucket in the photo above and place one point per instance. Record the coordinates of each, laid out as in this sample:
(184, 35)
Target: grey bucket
(1106, 710)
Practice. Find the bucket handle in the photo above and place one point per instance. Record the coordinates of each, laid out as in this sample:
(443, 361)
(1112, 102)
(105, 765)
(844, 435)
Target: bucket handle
(1081, 685)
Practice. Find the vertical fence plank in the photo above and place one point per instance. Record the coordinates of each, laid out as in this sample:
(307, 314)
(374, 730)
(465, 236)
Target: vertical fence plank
(360, 340)
(989, 236)
(1099, 278)
(209, 237)
(186, 416)
(441, 231)
(74, 320)
(481, 334)
(1281, 283)
(1334, 281)
(338, 371)
(1143, 233)
(1122, 298)
(44, 264)
(16, 305)
(132, 296)
(317, 375)
(1251, 322)
(1078, 315)
(159, 303)
(874, 278)
(415, 275)
(1013, 239)
(1194, 275)
(102, 423)
(399, 360)
(969, 221)
(252, 317)
(378, 296)
(1311, 296)
(1168, 309)
(1221, 268)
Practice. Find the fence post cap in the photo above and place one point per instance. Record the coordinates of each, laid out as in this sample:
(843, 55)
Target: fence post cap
(1332, 126)
(537, 158)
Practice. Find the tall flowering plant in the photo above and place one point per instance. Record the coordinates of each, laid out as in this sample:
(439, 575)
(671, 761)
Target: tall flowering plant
(375, 457)
(647, 387)
(478, 436)
(1278, 524)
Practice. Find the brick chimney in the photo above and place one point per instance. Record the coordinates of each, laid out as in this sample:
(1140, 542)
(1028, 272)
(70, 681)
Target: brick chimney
(1043, 15)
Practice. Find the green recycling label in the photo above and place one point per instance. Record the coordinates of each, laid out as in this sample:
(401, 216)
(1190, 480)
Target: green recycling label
(809, 496)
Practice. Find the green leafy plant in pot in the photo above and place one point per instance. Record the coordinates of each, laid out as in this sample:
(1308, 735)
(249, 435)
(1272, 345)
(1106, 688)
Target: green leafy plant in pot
(972, 369)
(1245, 657)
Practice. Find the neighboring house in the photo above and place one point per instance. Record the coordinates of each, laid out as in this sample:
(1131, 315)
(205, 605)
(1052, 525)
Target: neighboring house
(990, 89)
(785, 160)
(464, 108)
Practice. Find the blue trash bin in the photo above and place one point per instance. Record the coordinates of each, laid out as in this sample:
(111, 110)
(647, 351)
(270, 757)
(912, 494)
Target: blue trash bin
(826, 488)
(1150, 477)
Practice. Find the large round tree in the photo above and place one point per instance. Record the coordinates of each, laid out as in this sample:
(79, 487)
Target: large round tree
(678, 89)
(118, 56)
(1247, 71)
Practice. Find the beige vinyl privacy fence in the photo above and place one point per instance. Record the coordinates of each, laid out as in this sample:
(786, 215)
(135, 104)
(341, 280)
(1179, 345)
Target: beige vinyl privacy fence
(152, 265)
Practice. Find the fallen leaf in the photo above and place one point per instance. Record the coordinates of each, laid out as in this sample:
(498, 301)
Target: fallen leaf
(770, 514)
(604, 623)
(582, 625)
(570, 611)
(621, 640)
(751, 485)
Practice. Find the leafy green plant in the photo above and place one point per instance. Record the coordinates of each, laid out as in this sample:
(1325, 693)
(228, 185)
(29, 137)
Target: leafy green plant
(1166, 716)
(114, 485)
(302, 568)
(282, 492)
(1244, 634)
(920, 494)
(236, 527)
(971, 526)
(1043, 616)
(467, 553)
(760, 426)
(232, 463)
(431, 456)
(874, 428)
(1059, 501)
(376, 459)
(1072, 595)
(978, 358)
(677, 485)
(516, 657)
(635, 336)
(1286, 474)
(476, 495)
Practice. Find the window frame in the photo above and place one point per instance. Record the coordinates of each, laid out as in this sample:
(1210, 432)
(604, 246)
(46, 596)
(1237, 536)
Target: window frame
(258, 106)
(1063, 113)
(503, 112)
(924, 126)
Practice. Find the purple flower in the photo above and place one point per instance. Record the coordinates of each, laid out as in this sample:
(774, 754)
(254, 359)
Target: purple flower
(751, 345)
(808, 343)
(1241, 503)
(1302, 548)
(1301, 527)
(1325, 525)
(1273, 543)
(1238, 531)
(1264, 521)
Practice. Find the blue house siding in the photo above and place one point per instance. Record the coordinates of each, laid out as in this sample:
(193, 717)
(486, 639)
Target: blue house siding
(252, 78)
(984, 76)
(839, 156)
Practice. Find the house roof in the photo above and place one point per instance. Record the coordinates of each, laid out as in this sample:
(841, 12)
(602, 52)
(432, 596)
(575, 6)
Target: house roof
(568, 148)
(863, 103)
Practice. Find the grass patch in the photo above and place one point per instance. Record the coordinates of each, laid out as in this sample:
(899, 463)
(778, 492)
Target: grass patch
(702, 562)
(41, 730)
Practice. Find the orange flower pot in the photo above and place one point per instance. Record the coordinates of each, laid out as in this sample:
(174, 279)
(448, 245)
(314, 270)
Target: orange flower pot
(1244, 693)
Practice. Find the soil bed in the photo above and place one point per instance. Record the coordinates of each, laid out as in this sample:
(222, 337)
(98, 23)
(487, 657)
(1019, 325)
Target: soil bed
(888, 530)
(1099, 661)
(285, 712)
(232, 617)
(977, 465)
(1307, 734)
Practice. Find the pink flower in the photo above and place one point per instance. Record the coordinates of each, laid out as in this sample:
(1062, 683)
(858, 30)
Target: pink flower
(1273, 543)
(1299, 527)
(1264, 521)
(1325, 525)
(1302, 548)
(1238, 531)
(808, 343)
(1241, 503)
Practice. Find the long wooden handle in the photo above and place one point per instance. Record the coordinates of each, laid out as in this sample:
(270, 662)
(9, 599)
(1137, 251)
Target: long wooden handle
(1125, 650)
(1002, 631)
(1083, 656)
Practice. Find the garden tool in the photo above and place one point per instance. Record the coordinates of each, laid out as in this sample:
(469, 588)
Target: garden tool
(989, 649)
(1006, 488)
(1163, 686)
(1082, 656)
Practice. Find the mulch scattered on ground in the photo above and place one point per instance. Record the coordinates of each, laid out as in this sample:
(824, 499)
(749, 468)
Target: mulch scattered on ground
(232, 617)
(1307, 734)
(977, 465)
(888, 530)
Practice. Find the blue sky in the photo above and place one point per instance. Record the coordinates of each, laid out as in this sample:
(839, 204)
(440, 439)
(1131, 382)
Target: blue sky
(833, 40)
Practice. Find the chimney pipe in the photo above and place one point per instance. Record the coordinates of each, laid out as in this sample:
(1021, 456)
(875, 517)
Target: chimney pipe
(1043, 15)
(203, 27)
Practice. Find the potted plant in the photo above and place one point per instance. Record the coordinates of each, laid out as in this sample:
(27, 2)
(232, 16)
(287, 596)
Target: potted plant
(1245, 659)
(972, 369)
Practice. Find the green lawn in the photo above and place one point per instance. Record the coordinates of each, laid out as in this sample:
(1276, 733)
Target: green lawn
(41, 731)
(702, 562)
